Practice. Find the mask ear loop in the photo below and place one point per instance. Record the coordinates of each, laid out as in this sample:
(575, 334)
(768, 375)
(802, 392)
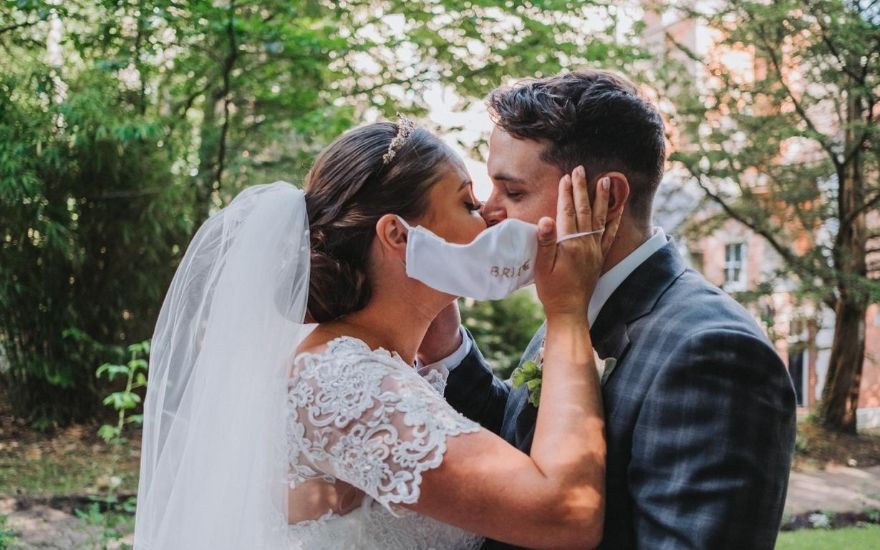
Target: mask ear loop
(578, 235)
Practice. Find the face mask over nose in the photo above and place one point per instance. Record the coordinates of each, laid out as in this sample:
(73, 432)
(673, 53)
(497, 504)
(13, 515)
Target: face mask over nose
(499, 261)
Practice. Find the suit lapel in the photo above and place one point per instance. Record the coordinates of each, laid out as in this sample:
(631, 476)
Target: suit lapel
(632, 300)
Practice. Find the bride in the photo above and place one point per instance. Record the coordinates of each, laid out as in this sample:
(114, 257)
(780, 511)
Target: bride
(286, 406)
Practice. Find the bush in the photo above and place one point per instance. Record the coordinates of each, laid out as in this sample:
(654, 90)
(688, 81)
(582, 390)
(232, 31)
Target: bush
(89, 218)
(503, 328)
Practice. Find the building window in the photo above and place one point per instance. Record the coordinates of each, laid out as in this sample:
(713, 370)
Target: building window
(735, 267)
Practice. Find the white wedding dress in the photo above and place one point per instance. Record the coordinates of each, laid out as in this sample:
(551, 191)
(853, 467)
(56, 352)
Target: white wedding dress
(246, 447)
(367, 419)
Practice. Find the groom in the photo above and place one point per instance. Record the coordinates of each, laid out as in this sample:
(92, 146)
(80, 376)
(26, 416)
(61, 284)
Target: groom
(699, 409)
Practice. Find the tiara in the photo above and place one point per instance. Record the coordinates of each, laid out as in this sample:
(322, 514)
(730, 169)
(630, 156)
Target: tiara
(405, 128)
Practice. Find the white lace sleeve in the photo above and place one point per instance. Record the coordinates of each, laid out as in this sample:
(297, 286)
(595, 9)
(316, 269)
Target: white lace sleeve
(367, 418)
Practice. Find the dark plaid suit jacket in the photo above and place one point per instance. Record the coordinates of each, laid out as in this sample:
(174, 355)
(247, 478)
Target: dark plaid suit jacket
(699, 413)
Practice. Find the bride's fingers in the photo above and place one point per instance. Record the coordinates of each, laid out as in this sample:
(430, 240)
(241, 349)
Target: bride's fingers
(600, 203)
(584, 217)
(565, 213)
(610, 232)
(546, 256)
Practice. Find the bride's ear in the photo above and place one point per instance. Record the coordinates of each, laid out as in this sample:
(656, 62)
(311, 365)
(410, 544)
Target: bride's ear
(391, 234)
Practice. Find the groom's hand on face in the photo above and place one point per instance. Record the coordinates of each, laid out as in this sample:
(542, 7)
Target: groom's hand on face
(443, 336)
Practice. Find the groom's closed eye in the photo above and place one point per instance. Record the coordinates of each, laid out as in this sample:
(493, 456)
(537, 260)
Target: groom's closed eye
(510, 186)
(513, 195)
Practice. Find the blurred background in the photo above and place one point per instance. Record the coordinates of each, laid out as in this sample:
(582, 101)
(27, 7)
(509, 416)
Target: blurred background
(124, 124)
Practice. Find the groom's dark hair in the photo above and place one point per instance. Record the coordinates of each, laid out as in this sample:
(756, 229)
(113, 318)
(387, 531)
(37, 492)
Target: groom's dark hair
(594, 118)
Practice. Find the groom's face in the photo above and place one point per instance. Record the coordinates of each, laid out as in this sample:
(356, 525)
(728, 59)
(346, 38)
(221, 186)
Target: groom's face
(524, 186)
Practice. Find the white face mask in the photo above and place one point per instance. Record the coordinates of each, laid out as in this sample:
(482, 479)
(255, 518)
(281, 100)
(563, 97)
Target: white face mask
(499, 261)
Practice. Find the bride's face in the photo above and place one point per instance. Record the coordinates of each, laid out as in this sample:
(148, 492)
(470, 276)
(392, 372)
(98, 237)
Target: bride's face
(453, 210)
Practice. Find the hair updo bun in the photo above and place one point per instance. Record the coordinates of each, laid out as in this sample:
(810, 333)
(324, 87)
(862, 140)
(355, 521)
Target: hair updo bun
(348, 189)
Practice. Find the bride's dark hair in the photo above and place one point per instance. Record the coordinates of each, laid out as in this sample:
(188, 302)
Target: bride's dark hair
(352, 184)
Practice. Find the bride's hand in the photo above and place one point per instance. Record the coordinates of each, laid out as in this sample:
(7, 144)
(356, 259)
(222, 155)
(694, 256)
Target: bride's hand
(566, 273)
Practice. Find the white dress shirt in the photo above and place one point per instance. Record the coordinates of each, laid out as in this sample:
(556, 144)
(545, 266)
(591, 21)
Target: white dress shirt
(605, 287)
(615, 276)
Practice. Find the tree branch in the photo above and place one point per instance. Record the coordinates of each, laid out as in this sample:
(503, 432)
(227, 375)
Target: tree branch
(861, 141)
(868, 204)
(817, 135)
(112, 195)
(786, 254)
(228, 64)
(138, 42)
(833, 49)
(11, 28)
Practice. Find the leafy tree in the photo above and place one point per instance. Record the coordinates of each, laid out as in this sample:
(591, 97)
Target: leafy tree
(788, 146)
(89, 223)
(125, 123)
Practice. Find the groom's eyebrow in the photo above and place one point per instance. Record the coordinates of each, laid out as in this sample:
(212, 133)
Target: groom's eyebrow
(501, 176)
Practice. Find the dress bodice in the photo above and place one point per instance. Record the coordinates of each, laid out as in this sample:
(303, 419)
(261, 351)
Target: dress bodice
(369, 420)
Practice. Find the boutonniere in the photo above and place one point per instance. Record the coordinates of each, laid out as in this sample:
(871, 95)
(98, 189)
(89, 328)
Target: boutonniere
(605, 367)
(530, 374)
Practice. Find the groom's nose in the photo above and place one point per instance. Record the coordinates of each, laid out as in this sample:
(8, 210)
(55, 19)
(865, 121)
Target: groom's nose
(492, 210)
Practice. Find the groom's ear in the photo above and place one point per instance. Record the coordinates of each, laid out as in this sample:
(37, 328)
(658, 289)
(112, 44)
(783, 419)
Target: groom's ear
(618, 193)
(391, 233)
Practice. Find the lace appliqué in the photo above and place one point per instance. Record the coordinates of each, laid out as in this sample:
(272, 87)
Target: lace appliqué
(436, 376)
(367, 418)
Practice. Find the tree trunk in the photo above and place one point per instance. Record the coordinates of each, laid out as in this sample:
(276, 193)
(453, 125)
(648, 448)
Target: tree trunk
(840, 396)
(209, 137)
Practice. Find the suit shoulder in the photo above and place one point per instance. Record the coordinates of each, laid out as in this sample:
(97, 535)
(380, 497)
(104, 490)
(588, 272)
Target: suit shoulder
(693, 306)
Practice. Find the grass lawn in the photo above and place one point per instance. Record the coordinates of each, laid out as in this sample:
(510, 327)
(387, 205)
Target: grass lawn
(850, 538)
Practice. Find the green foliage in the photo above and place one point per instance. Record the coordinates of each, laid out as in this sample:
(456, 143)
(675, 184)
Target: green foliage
(89, 226)
(503, 328)
(125, 400)
(7, 536)
(112, 516)
(123, 125)
(777, 125)
(529, 375)
(778, 155)
(851, 538)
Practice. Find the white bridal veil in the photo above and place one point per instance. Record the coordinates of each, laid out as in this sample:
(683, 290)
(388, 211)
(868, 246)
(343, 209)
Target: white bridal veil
(213, 466)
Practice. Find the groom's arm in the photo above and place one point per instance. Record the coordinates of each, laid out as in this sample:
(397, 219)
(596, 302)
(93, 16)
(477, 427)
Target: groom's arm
(471, 387)
(712, 446)
(473, 390)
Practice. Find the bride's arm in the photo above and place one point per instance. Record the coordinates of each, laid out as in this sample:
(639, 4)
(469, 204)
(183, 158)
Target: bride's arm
(551, 499)
(555, 497)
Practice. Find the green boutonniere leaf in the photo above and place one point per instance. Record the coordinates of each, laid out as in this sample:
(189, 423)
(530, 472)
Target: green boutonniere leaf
(529, 375)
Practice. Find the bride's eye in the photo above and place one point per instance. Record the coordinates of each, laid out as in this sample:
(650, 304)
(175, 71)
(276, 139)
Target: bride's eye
(472, 207)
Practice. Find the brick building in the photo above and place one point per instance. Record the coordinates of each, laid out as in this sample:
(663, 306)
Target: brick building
(743, 263)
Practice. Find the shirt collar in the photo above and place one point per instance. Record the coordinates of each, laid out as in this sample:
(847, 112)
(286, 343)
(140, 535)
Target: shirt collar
(615, 276)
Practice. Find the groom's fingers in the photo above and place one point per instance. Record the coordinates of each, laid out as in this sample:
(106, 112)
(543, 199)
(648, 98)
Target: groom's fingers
(565, 213)
(583, 213)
